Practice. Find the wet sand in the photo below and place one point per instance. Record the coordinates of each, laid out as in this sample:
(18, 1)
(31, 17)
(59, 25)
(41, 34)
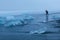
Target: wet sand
(26, 36)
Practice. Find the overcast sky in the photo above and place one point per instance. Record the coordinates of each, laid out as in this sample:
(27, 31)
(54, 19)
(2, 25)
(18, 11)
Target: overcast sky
(29, 5)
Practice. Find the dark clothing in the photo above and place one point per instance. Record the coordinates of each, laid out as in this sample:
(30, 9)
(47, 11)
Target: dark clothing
(46, 12)
(46, 16)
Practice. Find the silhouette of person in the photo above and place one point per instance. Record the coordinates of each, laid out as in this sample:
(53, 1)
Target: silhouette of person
(46, 12)
(46, 15)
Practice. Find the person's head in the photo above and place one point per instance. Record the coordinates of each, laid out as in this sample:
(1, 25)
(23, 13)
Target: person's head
(46, 10)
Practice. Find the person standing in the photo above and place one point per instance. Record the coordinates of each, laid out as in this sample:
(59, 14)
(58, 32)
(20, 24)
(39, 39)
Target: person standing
(46, 15)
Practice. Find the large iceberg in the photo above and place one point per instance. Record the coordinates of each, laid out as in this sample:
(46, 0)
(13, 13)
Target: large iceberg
(18, 21)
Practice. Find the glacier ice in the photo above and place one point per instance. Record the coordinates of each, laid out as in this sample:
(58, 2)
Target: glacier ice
(12, 20)
(39, 31)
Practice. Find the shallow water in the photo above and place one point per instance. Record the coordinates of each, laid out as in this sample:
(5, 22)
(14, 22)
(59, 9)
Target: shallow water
(22, 32)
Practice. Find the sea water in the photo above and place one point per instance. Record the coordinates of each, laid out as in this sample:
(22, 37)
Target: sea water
(35, 25)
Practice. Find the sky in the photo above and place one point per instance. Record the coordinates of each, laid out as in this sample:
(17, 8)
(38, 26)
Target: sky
(7, 6)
